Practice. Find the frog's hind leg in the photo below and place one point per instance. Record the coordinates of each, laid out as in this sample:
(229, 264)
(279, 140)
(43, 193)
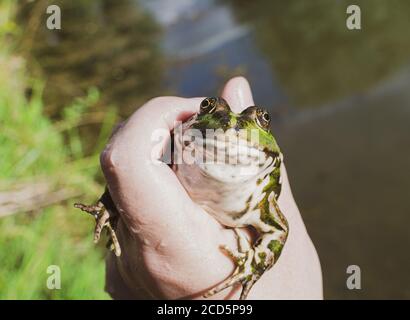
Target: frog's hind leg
(243, 273)
(103, 220)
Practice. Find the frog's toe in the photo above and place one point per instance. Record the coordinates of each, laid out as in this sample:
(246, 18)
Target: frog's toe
(247, 284)
(102, 221)
(94, 210)
(243, 274)
(234, 254)
(235, 278)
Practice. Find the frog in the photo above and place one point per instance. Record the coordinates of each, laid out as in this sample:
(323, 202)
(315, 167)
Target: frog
(240, 188)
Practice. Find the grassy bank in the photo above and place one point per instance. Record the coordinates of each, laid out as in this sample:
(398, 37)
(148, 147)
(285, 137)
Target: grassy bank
(43, 171)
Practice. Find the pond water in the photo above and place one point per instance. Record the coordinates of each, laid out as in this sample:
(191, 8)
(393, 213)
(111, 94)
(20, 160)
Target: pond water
(340, 100)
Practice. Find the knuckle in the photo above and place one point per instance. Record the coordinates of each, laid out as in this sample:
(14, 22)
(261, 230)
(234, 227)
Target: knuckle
(107, 159)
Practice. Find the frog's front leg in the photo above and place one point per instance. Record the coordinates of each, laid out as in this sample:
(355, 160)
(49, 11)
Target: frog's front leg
(273, 228)
(243, 258)
(253, 261)
(266, 252)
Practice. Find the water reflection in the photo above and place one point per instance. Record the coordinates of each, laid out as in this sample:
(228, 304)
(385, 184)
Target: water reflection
(316, 58)
(111, 44)
(205, 46)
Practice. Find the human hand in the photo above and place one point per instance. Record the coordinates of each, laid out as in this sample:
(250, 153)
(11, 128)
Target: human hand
(170, 245)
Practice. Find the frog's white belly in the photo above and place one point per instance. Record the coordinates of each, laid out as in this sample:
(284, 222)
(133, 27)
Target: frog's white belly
(228, 191)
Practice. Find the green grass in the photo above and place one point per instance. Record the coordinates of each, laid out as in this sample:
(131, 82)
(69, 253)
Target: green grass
(30, 245)
(34, 148)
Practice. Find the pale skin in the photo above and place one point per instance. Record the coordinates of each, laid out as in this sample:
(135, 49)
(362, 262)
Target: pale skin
(170, 246)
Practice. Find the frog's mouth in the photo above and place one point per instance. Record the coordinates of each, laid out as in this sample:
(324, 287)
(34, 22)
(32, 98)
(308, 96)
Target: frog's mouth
(229, 161)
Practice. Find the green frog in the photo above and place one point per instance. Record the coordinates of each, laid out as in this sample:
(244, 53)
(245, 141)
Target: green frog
(229, 163)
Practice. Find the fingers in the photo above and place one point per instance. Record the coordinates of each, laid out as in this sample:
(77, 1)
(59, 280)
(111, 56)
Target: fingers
(238, 94)
(134, 139)
(137, 180)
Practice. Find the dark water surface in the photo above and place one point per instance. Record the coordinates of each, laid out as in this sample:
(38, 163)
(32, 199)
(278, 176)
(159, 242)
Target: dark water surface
(340, 99)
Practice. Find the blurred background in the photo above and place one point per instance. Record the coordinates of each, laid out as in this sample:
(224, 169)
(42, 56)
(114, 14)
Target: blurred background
(340, 100)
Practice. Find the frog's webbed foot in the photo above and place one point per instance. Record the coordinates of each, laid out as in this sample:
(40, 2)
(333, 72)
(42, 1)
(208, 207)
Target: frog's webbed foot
(244, 273)
(103, 220)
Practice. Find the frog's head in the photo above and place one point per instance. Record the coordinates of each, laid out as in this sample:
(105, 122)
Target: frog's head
(252, 124)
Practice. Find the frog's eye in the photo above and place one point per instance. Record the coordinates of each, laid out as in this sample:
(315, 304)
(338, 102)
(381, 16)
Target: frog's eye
(263, 119)
(208, 105)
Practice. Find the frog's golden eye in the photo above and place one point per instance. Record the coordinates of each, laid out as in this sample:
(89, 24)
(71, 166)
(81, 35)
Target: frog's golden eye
(208, 105)
(263, 119)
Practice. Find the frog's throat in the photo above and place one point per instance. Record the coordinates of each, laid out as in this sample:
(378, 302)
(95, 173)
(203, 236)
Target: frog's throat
(240, 152)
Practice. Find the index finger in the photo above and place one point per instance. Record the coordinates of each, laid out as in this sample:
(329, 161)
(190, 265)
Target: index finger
(141, 183)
